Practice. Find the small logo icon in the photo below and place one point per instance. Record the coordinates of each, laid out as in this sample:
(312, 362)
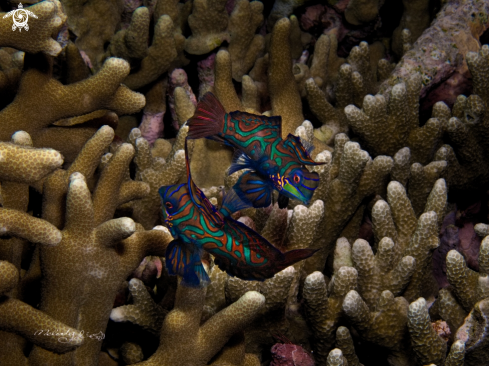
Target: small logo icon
(20, 17)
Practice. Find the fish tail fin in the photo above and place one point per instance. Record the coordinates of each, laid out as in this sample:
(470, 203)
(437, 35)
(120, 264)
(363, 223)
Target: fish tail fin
(182, 261)
(208, 119)
(293, 256)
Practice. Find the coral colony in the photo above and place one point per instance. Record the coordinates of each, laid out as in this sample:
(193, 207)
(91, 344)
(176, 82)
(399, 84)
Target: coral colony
(352, 230)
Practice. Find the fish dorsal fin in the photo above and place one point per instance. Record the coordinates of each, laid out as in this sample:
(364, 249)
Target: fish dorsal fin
(231, 203)
(199, 199)
(302, 151)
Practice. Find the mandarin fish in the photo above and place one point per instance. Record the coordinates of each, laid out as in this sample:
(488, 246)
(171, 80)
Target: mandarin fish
(271, 162)
(197, 225)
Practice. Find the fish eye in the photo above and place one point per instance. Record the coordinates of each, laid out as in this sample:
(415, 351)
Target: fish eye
(168, 205)
(297, 179)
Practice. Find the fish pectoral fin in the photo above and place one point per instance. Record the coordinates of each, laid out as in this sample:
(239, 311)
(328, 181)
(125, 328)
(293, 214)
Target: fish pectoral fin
(184, 261)
(254, 189)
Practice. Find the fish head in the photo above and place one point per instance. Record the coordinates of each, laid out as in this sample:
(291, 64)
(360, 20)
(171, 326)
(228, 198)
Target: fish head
(173, 198)
(299, 183)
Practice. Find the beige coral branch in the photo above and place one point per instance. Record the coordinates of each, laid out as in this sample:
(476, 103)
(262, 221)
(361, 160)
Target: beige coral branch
(24, 164)
(284, 93)
(43, 100)
(185, 342)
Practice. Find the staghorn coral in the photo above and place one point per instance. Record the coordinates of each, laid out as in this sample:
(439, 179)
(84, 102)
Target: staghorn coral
(427, 345)
(348, 176)
(89, 234)
(23, 165)
(181, 328)
(324, 306)
(209, 159)
(469, 286)
(284, 95)
(244, 45)
(63, 101)
(208, 22)
(143, 312)
(159, 56)
(466, 129)
(92, 30)
(415, 19)
(398, 117)
(361, 11)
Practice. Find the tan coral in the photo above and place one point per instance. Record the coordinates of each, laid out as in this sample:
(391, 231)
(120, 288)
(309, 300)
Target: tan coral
(345, 344)
(210, 159)
(469, 286)
(412, 237)
(94, 278)
(244, 45)
(185, 342)
(19, 317)
(208, 22)
(386, 325)
(349, 175)
(415, 18)
(398, 120)
(324, 306)
(284, 94)
(143, 312)
(361, 11)
(160, 55)
(24, 164)
(33, 114)
(91, 29)
(131, 43)
(428, 346)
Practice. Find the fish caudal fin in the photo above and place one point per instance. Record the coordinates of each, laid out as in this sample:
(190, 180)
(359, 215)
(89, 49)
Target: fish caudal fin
(208, 119)
(182, 261)
(293, 256)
